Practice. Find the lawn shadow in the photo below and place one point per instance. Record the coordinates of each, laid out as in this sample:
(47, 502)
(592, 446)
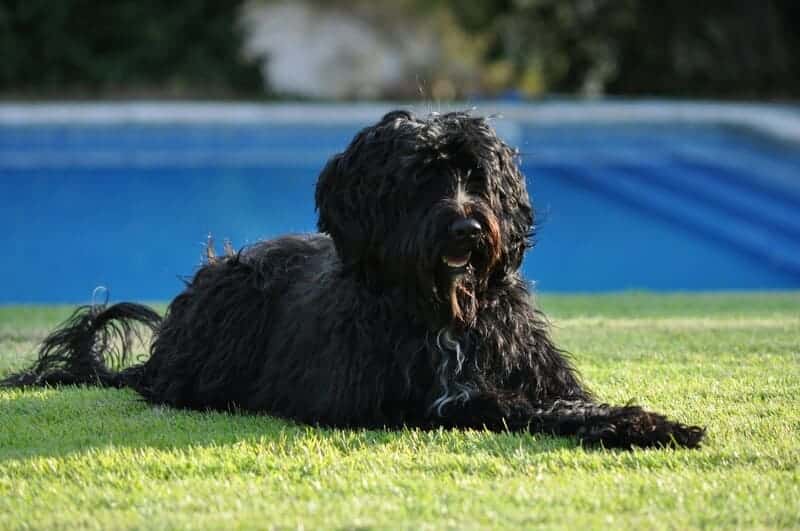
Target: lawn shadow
(69, 420)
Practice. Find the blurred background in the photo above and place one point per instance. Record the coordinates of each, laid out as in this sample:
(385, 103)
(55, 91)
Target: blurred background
(661, 140)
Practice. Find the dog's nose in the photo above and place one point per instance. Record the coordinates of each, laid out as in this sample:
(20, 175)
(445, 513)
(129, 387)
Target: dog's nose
(465, 228)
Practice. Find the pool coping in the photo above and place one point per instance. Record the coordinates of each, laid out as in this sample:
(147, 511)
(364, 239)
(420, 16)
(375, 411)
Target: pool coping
(779, 121)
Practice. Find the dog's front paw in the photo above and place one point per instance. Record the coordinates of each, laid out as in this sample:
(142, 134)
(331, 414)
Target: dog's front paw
(631, 426)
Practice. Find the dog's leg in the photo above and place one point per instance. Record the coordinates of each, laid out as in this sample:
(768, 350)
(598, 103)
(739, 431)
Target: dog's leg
(592, 423)
(613, 426)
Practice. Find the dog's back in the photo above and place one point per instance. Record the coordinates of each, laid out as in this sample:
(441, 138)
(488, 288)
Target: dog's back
(282, 328)
(220, 332)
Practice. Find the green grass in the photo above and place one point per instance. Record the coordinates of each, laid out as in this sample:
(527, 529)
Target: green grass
(102, 459)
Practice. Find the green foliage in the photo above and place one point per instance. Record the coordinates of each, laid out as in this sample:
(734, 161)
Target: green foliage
(102, 459)
(127, 47)
(716, 48)
(736, 48)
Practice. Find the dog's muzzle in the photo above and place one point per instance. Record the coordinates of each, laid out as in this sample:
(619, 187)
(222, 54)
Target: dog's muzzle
(464, 234)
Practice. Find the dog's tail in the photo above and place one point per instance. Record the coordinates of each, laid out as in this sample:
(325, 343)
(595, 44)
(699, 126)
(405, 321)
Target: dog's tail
(91, 347)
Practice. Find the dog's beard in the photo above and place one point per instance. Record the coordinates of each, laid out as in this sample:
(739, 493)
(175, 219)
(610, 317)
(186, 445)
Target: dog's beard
(460, 288)
(463, 303)
(444, 280)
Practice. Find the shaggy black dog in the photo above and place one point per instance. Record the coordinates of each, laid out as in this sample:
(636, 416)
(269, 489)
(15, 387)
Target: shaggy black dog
(407, 310)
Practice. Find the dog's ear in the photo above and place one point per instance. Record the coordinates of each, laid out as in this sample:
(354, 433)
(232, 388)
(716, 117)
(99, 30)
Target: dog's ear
(351, 185)
(341, 210)
(518, 212)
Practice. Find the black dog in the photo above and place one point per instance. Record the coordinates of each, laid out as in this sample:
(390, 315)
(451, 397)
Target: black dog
(408, 310)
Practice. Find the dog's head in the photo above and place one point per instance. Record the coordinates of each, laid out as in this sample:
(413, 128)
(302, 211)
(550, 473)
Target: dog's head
(436, 205)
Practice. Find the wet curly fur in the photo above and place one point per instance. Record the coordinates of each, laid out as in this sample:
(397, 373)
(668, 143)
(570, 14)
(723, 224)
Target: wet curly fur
(407, 309)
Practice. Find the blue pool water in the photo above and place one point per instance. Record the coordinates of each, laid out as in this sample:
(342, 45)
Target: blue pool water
(622, 206)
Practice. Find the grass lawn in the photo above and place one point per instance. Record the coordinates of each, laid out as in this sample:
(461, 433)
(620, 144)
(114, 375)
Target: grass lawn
(101, 459)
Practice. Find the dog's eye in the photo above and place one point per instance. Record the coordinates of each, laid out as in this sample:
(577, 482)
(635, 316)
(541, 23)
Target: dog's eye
(477, 183)
(431, 189)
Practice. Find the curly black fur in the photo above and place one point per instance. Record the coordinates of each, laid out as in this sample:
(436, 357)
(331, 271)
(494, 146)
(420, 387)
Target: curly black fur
(407, 310)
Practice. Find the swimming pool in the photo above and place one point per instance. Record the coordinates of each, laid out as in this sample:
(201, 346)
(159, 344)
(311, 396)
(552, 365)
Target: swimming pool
(126, 200)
